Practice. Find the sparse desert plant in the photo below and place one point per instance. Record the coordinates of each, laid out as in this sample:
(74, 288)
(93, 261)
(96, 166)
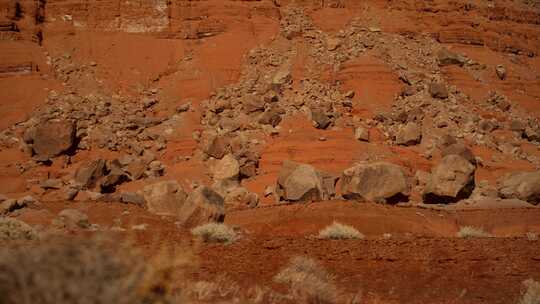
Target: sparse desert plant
(531, 294)
(338, 231)
(467, 232)
(215, 232)
(308, 281)
(531, 236)
(72, 270)
(12, 229)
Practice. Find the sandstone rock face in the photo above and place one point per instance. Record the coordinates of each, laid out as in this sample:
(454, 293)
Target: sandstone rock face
(227, 168)
(320, 119)
(202, 206)
(376, 182)
(409, 135)
(362, 134)
(52, 138)
(523, 185)
(461, 150)
(301, 183)
(88, 174)
(165, 198)
(451, 180)
(446, 57)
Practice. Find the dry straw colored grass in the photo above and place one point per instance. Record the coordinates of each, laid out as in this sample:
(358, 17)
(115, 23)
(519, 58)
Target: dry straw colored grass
(531, 236)
(308, 281)
(214, 232)
(338, 231)
(79, 271)
(531, 293)
(12, 230)
(468, 232)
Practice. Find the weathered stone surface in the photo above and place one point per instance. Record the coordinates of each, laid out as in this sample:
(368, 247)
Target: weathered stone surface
(218, 147)
(132, 198)
(299, 182)
(9, 205)
(88, 174)
(281, 78)
(164, 198)
(52, 183)
(203, 205)
(240, 197)
(376, 182)
(361, 133)
(438, 90)
(521, 185)
(459, 149)
(320, 119)
(52, 138)
(451, 180)
(447, 57)
(227, 168)
(409, 135)
(271, 116)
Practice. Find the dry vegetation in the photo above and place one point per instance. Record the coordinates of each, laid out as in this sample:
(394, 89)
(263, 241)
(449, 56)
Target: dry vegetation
(468, 232)
(308, 281)
(13, 229)
(531, 295)
(214, 232)
(338, 231)
(531, 236)
(67, 270)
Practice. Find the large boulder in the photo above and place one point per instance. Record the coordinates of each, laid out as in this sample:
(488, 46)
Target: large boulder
(521, 185)
(459, 149)
(301, 182)
(51, 138)
(202, 206)
(376, 182)
(165, 198)
(451, 180)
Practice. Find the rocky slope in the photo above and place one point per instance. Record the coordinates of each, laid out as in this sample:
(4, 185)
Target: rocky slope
(198, 111)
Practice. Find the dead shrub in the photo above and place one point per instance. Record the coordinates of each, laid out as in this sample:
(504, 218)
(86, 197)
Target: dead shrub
(12, 230)
(531, 293)
(468, 232)
(338, 231)
(67, 270)
(308, 281)
(215, 232)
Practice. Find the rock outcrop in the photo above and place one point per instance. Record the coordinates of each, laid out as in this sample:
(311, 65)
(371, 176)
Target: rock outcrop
(451, 180)
(375, 182)
(522, 185)
(302, 183)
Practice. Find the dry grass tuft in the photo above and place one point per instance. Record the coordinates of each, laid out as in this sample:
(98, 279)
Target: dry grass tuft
(531, 294)
(308, 281)
(12, 229)
(338, 231)
(468, 232)
(214, 232)
(531, 236)
(78, 271)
